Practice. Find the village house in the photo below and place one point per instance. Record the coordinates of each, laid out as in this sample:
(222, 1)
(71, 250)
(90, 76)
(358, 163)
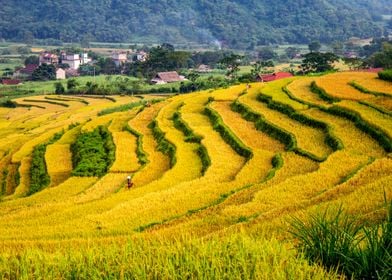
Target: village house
(60, 74)
(273, 77)
(10, 82)
(74, 60)
(167, 77)
(119, 58)
(141, 56)
(203, 68)
(26, 72)
(48, 58)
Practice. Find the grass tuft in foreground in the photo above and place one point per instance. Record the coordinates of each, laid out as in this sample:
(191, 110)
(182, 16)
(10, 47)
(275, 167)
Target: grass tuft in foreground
(339, 241)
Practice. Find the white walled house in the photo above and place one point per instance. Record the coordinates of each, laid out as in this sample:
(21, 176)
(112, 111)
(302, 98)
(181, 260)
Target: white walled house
(119, 58)
(73, 60)
(60, 74)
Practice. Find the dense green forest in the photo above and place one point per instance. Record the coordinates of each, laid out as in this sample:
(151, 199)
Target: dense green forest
(236, 23)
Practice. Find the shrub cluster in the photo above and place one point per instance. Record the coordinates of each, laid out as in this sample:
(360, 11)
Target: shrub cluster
(341, 242)
(331, 140)
(227, 135)
(141, 154)
(385, 75)
(164, 145)
(322, 93)
(93, 153)
(39, 176)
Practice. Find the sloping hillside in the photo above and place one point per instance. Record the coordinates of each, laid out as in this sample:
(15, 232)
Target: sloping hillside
(238, 24)
(217, 175)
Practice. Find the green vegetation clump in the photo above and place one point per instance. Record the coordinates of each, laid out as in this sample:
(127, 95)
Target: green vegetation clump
(127, 107)
(322, 93)
(385, 75)
(140, 153)
(39, 176)
(381, 137)
(93, 153)
(331, 140)
(191, 137)
(365, 90)
(343, 243)
(164, 145)
(227, 135)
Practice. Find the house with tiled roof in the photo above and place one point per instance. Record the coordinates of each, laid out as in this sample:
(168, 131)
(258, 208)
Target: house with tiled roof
(167, 77)
(48, 58)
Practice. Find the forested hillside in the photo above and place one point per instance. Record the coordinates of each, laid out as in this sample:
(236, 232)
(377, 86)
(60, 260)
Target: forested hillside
(238, 23)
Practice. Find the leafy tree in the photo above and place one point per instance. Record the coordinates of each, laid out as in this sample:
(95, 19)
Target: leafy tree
(72, 84)
(59, 88)
(314, 46)
(89, 70)
(353, 63)
(44, 72)
(318, 62)
(32, 59)
(382, 58)
(267, 53)
(261, 67)
(231, 63)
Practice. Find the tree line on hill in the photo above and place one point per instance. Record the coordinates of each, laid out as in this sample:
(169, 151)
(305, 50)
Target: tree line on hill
(236, 24)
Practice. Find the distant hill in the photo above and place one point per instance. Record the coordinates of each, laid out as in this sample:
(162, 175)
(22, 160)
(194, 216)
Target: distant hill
(239, 23)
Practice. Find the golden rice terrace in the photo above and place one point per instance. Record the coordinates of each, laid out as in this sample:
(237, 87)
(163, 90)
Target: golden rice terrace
(227, 166)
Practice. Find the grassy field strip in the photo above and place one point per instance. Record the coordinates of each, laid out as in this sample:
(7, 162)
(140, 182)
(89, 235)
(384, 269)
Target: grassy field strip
(28, 147)
(274, 90)
(297, 190)
(158, 163)
(213, 216)
(66, 191)
(354, 140)
(225, 162)
(108, 184)
(24, 172)
(371, 82)
(300, 89)
(126, 160)
(231, 93)
(262, 258)
(59, 162)
(309, 139)
(377, 119)
(337, 86)
(263, 147)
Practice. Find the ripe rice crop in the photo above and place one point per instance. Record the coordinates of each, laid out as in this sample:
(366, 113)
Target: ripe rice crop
(308, 138)
(337, 85)
(300, 88)
(371, 115)
(59, 162)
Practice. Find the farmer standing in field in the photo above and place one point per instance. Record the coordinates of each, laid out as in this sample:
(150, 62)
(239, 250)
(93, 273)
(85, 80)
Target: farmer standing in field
(130, 183)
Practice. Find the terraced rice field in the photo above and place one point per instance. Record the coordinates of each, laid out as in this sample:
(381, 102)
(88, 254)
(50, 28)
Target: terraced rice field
(216, 176)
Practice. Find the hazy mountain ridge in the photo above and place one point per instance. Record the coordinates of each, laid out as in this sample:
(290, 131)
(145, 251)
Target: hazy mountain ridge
(240, 23)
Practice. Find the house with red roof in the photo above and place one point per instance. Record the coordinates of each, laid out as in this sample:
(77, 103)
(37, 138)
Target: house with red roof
(10, 82)
(273, 76)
